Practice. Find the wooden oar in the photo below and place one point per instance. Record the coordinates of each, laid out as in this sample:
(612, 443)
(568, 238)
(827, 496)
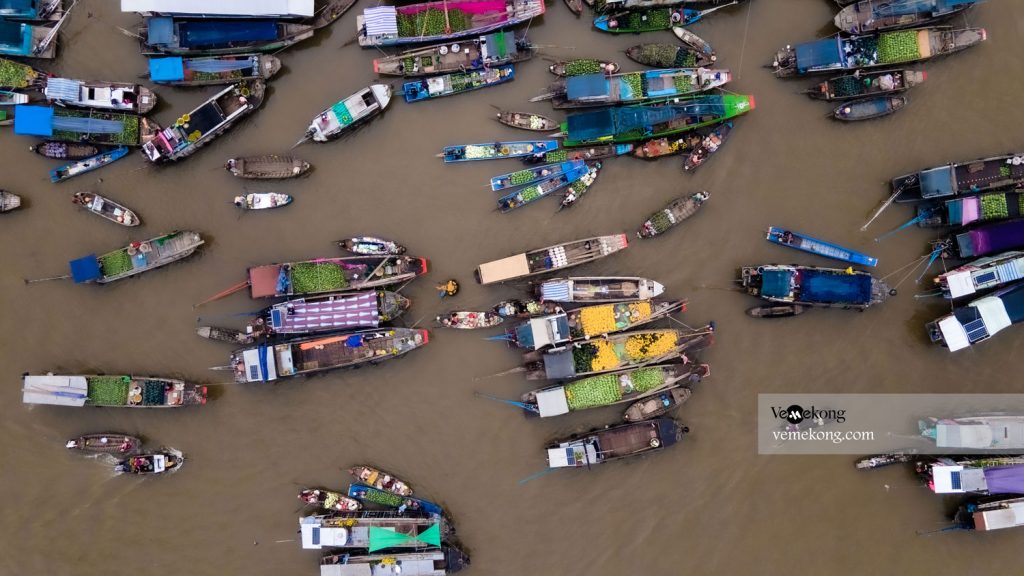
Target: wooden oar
(33, 281)
(237, 287)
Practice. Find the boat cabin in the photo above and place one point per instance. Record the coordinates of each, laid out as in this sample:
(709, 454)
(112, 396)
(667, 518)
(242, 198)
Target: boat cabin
(343, 312)
(983, 274)
(1004, 513)
(542, 332)
(124, 97)
(979, 433)
(981, 319)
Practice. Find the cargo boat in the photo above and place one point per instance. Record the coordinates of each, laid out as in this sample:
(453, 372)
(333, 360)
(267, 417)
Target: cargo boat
(111, 391)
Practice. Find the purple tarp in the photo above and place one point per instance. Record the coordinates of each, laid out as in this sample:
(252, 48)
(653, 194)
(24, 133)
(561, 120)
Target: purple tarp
(1005, 480)
(998, 237)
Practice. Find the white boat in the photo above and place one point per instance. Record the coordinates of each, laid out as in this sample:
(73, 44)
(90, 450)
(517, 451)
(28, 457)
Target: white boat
(348, 113)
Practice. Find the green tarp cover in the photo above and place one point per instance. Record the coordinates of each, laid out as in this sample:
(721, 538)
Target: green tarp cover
(381, 538)
(341, 111)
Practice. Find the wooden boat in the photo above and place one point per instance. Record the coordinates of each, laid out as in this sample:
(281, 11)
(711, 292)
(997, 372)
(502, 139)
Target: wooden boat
(325, 275)
(813, 286)
(576, 190)
(708, 145)
(9, 201)
(497, 150)
(15, 75)
(695, 42)
(329, 500)
(350, 113)
(651, 19)
(672, 215)
(820, 247)
(80, 167)
(984, 240)
(651, 86)
(969, 210)
(960, 178)
(155, 463)
(586, 322)
(867, 83)
(209, 120)
(269, 167)
(979, 320)
(444, 560)
(440, 21)
(111, 391)
(545, 187)
(262, 200)
(332, 313)
(531, 175)
(614, 443)
(331, 12)
(659, 147)
(608, 389)
(581, 66)
(669, 56)
(136, 258)
(869, 108)
(106, 208)
(8, 98)
(468, 320)
(370, 246)
(598, 289)
(163, 35)
(776, 311)
(375, 530)
(380, 480)
(304, 356)
(405, 504)
(657, 405)
(981, 275)
(884, 49)
(495, 49)
(64, 150)
(599, 152)
(211, 70)
(575, 6)
(106, 443)
(527, 121)
(872, 16)
(988, 513)
(70, 125)
(117, 96)
(557, 257)
(524, 308)
(225, 335)
(457, 83)
(643, 122)
(888, 459)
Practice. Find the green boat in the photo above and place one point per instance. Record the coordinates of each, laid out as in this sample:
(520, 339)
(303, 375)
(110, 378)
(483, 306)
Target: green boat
(632, 123)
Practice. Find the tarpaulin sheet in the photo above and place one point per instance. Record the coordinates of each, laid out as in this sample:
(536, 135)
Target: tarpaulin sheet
(209, 33)
(819, 53)
(166, 69)
(834, 288)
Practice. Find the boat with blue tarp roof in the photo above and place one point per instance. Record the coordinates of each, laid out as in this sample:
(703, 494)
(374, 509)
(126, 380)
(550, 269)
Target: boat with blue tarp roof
(960, 178)
(457, 83)
(648, 86)
(83, 126)
(31, 10)
(136, 258)
(27, 40)
(979, 320)
(164, 35)
(820, 247)
(813, 286)
(875, 16)
(531, 175)
(210, 70)
(371, 495)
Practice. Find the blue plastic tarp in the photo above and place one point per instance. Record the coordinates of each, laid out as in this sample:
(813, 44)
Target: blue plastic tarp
(818, 54)
(586, 86)
(15, 38)
(85, 269)
(834, 288)
(589, 126)
(937, 182)
(160, 30)
(209, 33)
(166, 69)
(775, 283)
(33, 120)
(18, 8)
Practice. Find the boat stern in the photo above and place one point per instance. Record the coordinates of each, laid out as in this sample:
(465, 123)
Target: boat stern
(669, 432)
(382, 92)
(269, 66)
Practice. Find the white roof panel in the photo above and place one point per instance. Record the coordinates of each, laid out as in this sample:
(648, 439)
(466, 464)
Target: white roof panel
(960, 284)
(250, 8)
(953, 334)
(55, 390)
(993, 312)
(552, 402)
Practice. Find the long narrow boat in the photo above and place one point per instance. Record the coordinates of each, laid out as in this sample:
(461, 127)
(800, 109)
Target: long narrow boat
(869, 108)
(598, 289)
(325, 275)
(445, 560)
(83, 126)
(105, 443)
(874, 50)
(526, 121)
(606, 5)
(599, 152)
(578, 189)
(691, 40)
(111, 391)
(545, 187)
(776, 311)
(813, 286)
(595, 320)
(960, 178)
(380, 480)
(374, 531)
(658, 404)
(210, 70)
(529, 308)
(982, 275)
(117, 96)
(672, 215)
(9, 201)
(820, 247)
(650, 86)
(875, 461)
(269, 167)
(457, 83)
(162, 462)
(329, 500)
(497, 150)
(996, 433)
(531, 175)
(106, 208)
(986, 240)
(206, 122)
(615, 352)
(80, 167)
(550, 259)
(615, 443)
(349, 113)
(371, 246)
(582, 66)
(440, 21)
(976, 475)
(469, 319)
(262, 200)
(663, 55)
(979, 320)
(970, 210)
(15, 75)
(495, 49)
(640, 20)
(875, 16)
(405, 504)
(861, 84)
(706, 148)
(632, 123)
(136, 258)
(608, 389)
(163, 35)
(306, 356)
(64, 150)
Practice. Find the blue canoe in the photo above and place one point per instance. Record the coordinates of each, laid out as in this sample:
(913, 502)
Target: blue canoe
(360, 491)
(545, 187)
(88, 165)
(497, 150)
(456, 83)
(536, 174)
(803, 242)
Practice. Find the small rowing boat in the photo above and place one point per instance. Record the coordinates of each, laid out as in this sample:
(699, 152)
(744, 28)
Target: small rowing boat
(574, 193)
(861, 84)
(106, 208)
(869, 108)
(657, 405)
(262, 200)
(819, 247)
(497, 150)
(590, 153)
(329, 500)
(598, 289)
(672, 215)
(659, 147)
(695, 42)
(79, 167)
(65, 150)
(468, 320)
(147, 464)
(775, 311)
(708, 145)
(669, 56)
(225, 335)
(457, 83)
(370, 246)
(575, 6)
(882, 460)
(525, 308)
(269, 167)
(581, 66)
(531, 175)
(107, 443)
(380, 480)
(9, 201)
(527, 121)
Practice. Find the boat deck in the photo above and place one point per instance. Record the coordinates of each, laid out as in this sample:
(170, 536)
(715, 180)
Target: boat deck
(627, 440)
(345, 350)
(985, 174)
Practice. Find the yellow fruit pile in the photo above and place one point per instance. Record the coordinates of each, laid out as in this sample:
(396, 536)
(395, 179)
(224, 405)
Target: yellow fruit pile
(606, 359)
(643, 346)
(639, 311)
(597, 320)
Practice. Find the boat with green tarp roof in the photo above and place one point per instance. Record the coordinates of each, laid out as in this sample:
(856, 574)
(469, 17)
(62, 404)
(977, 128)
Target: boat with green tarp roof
(374, 531)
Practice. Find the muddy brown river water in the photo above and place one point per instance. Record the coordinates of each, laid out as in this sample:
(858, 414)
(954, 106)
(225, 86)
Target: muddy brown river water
(708, 506)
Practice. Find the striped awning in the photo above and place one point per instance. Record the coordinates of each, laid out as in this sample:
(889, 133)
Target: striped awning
(555, 291)
(381, 21)
(63, 89)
